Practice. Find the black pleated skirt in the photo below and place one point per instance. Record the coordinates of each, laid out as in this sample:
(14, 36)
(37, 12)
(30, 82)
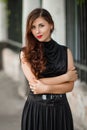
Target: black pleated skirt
(51, 114)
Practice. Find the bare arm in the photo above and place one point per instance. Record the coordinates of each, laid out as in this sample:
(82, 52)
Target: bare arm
(67, 86)
(26, 67)
(40, 87)
(69, 76)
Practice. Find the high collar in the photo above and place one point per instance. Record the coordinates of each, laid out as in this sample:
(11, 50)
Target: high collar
(48, 44)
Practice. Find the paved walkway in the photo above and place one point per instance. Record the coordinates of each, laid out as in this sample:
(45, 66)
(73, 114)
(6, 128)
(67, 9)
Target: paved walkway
(11, 104)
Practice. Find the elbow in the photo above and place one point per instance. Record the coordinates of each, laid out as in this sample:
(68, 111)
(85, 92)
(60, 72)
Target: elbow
(71, 86)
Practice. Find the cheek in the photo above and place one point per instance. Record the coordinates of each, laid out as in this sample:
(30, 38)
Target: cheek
(33, 32)
(47, 31)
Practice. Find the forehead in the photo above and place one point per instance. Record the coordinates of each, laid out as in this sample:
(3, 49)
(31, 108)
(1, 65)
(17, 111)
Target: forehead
(39, 20)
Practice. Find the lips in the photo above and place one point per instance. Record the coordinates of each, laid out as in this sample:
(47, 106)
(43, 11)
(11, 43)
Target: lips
(39, 36)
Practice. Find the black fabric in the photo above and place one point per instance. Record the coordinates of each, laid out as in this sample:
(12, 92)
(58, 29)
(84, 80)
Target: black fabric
(52, 114)
(56, 56)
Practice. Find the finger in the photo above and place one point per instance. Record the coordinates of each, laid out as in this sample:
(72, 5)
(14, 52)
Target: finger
(36, 81)
(75, 71)
(32, 90)
(31, 87)
(73, 68)
(31, 82)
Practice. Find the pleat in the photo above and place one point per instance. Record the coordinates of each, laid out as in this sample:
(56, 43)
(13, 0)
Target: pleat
(46, 116)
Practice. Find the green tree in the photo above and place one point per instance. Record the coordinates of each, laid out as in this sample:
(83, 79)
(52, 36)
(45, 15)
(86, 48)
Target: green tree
(80, 2)
(4, 1)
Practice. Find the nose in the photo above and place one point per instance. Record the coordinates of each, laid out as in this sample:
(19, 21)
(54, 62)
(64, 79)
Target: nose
(37, 30)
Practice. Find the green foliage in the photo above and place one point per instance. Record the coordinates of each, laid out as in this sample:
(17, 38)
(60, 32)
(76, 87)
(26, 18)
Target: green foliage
(8, 12)
(4, 1)
(80, 2)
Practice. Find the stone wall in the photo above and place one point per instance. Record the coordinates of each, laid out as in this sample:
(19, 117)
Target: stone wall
(77, 98)
(3, 21)
(78, 102)
(11, 63)
(12, 67)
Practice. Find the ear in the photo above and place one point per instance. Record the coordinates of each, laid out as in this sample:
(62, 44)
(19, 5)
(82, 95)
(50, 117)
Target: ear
(52, 27)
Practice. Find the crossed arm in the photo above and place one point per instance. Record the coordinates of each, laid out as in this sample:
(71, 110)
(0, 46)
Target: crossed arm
(59, 84)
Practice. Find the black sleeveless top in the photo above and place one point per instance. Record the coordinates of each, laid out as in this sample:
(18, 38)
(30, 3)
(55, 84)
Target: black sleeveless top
(56, 56)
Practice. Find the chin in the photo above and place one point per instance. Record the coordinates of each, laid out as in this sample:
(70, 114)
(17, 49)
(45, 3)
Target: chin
(40, 40)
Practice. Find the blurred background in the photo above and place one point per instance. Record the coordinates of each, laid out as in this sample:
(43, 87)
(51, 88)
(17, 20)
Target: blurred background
(70, 17)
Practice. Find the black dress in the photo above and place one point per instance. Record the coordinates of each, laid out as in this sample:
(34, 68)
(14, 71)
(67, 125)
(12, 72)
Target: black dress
(49, 111)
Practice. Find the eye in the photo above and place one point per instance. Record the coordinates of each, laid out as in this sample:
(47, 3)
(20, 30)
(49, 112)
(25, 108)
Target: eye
(41, 25)
(33, 27)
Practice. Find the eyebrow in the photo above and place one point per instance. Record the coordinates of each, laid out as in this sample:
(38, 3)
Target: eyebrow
(38, 24)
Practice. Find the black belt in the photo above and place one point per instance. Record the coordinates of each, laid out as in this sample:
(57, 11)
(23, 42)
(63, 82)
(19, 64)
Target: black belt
(47, 96)
(51, 96)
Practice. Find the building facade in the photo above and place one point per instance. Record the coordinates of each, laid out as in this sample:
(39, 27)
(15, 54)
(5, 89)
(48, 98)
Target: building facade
(70, 17)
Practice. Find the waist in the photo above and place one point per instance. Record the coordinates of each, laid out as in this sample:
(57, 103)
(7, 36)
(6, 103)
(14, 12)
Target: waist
(47, 96)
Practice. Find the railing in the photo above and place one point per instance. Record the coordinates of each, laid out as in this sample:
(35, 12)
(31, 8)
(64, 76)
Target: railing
(76, 31)
(82, 71)
(82, 41)
(11, 43)
(15, 20)
(81, 67)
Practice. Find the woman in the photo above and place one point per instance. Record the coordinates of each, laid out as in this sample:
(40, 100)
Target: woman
(50, 71)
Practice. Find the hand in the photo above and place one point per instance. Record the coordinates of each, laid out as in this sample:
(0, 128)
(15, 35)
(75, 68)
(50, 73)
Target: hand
(38, 87)
(72, 75)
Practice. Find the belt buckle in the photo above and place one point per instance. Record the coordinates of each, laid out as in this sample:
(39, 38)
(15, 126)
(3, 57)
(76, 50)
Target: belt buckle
(44, 97)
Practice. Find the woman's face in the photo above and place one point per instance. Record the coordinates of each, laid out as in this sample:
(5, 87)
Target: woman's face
(41, 29)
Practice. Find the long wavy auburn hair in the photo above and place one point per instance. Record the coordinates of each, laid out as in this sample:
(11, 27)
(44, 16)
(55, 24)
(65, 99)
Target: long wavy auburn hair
(33, 50)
